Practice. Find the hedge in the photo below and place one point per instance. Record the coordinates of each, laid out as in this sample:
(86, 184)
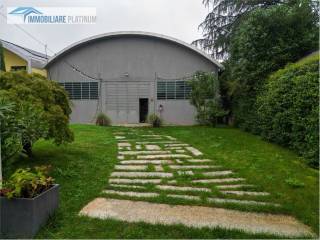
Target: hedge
(288, 108)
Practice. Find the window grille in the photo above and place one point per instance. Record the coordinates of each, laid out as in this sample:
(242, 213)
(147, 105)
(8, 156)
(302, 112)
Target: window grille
(81, 90)
(173, 90)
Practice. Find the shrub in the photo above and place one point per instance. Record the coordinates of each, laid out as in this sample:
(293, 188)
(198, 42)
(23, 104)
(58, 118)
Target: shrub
(103, 120)
(155, 120)
(288, 108)
(27, 183)
(206, 98)
(42, 108)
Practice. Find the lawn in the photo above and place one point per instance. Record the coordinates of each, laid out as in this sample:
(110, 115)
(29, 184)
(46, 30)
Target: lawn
(83, 167)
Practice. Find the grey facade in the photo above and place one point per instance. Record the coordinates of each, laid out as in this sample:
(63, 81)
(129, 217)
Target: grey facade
(125, 69)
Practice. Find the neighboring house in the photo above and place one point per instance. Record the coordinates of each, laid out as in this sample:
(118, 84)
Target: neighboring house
(128, 75)
(21, 58)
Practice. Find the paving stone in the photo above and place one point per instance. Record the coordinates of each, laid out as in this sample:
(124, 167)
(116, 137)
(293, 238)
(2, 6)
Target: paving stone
(190, 173)
(195, 216)
(163, 156)
(233, 186)
(133, 181)
(194, 151)
(218, 180)
(191, 166)
(159, 168)
(172, 182)
(217, 173)
(124, 144)
(120, 137)
(120, 157)
(131, 194)
(138, 147)
(174, 148)
(244, 202)
(199, 160)
(170, 138)
(142, 152)
(177, 188)
(127, 186)
(180, 151)
(152, 147)
(151, 161)
(178, 161)
(176, 145)
(130, 167)
(187, 197)
(141, 174)
(156, 142)
(241, 193)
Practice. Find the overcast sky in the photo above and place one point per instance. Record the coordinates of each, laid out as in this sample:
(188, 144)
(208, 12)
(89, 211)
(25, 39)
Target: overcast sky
(175, 18)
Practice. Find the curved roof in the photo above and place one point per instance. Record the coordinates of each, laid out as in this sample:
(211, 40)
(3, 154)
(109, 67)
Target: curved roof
(133, 33)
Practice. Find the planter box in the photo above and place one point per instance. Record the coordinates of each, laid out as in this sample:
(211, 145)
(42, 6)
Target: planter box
(23, 217)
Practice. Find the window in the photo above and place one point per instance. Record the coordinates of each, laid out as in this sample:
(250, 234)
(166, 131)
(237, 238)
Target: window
(173, 89)
(18, 68)
(81, 90)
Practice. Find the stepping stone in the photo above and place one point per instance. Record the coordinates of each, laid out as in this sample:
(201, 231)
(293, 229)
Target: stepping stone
(143, 152)
(179, 161)
(171, 138)
(244, 202)
(217, 173)
(159, 168)
(199, 160)
(127, 186)
(120, 157)
(163, 156)
(138, 147)
(187, 197)
(241, 193)
(130, 167)
(151, 135)
(151, 161)
(174, 148)
(141, 174)
(176, 145)
(233, 186)
(194, 151)
(152, 142)
(152, 147)
(195, 216)
(128, 181)
(131, 194)
(181, 151)
(124, 144)
(218, 180)
(191, 166)
(181, 173)
(120, 137)
(186, 189)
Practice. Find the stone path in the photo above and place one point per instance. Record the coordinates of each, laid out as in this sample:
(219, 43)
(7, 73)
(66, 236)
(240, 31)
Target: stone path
(159, 167)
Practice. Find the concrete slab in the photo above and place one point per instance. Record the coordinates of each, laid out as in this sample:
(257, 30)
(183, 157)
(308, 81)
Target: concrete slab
(195, 216)
(218, 180)
(131, 194)
(152, 147)
(142, 174)
(194, 151)
(241, 193)
(217, 173)
(133, 181)
(167, 156)
(142, 152)
(151, 161)
(185, 189)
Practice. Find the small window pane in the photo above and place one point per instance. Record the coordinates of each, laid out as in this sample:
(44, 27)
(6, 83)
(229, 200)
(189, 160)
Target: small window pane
(94, 94)
(171, 90)
(76, 91)
(85, 91)
(161, 90)
(180, 90)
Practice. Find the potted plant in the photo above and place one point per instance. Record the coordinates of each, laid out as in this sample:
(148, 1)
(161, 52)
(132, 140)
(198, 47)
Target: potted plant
(27, 199)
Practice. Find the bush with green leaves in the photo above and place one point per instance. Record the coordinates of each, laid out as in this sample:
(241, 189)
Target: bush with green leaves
(103, 120)
(264, 41)
(41, 109)
(154, 120)
(206, 98)
(288, 108)
(27, 183)
(2, 63)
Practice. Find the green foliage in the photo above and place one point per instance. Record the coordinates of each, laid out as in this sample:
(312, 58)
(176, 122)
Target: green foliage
(205, 97)
(27, 183)
(266, 40)
(288, 108)
(41, 110)
(2, 63)
(103, 120)
(155, 120)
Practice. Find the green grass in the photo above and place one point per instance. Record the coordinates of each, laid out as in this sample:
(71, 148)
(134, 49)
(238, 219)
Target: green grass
(83, 167)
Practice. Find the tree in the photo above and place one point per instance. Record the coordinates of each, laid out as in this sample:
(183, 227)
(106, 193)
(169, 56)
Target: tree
(225, 16)
(266, 41)
(206, 98)
(2, 64)
(42, 108)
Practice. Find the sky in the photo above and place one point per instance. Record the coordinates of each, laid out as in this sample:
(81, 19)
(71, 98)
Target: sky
(175, 18)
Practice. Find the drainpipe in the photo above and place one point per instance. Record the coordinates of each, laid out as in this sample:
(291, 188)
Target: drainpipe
(29, 67)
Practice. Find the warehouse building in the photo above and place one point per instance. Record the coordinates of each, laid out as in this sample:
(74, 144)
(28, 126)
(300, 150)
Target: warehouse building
(128, 75)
